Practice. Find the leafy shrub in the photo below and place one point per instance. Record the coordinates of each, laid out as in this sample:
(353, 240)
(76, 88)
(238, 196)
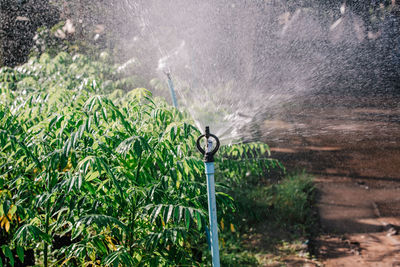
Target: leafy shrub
(238, 259)
(290, 200)
(248, 163)
(66, 72)
(98, 176)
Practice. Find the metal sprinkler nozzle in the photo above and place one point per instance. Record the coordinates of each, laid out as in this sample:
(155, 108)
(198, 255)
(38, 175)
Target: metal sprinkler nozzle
(167, 73)
(208, 152)
(207, 132)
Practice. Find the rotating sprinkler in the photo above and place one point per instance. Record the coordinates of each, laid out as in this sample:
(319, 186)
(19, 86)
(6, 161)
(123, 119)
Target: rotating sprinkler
(171, 89)
(208, 153)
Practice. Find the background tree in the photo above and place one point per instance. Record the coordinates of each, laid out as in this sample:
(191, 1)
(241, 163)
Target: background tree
(19, 21)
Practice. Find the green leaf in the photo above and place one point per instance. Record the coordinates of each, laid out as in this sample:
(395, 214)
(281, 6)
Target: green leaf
(6, 206)
(102, 221)
(8, 253)
(28, 233)
(137, 148)
(187, 218)
(155, 213)
(199, 221)
(20, 253)
(169, 214)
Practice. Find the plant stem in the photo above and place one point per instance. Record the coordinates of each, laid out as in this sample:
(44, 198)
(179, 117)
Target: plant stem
(46, 229)
(133, 209)
(131, 235)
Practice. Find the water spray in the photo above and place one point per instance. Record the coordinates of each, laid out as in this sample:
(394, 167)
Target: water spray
(208, 153)
(162, 65)
(171, 89)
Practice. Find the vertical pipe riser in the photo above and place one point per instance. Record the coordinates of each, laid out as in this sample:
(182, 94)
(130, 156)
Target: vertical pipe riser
(212, 210)
(208, 154)
(172, 90)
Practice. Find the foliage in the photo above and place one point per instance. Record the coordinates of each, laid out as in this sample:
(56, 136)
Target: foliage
(49, 41)
(292, 200)
(94, 175)
(238, 259)
(63, 71)
(245, 162)
(274, 218)
(287, 201)
(269, 203)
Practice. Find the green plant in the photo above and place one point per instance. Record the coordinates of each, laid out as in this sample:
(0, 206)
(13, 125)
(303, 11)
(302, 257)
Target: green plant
(239, 259)
(90, 174)
(248, 163)
(292, 199)
(273, 219)
(106, 180)
(120, 181)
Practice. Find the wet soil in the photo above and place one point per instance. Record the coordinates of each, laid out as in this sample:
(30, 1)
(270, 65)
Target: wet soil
(352, 147)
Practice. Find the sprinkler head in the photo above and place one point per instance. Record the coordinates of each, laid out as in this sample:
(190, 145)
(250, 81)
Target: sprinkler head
(207, 132)
(208, 153)
(168, 74)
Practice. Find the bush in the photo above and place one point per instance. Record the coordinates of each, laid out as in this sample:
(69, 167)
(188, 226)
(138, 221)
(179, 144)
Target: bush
(94, 175)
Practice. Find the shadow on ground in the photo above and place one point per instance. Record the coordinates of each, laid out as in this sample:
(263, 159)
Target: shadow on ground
(354, 153)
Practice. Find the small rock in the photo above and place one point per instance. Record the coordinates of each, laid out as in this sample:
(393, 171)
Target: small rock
(392, 231)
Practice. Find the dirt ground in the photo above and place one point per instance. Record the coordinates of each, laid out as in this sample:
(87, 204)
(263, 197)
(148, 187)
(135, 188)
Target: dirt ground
(352, 147)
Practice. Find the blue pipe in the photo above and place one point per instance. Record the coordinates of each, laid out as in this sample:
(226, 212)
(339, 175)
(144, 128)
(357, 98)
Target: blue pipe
(212, 207)
(172, 90)
(212, 211)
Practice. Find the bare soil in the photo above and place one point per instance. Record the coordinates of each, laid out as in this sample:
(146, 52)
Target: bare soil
(352, 146)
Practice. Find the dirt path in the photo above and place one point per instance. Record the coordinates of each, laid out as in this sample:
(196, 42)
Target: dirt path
(353, 150)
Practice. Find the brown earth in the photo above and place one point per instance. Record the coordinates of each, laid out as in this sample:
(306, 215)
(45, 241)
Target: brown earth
(352, 146)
